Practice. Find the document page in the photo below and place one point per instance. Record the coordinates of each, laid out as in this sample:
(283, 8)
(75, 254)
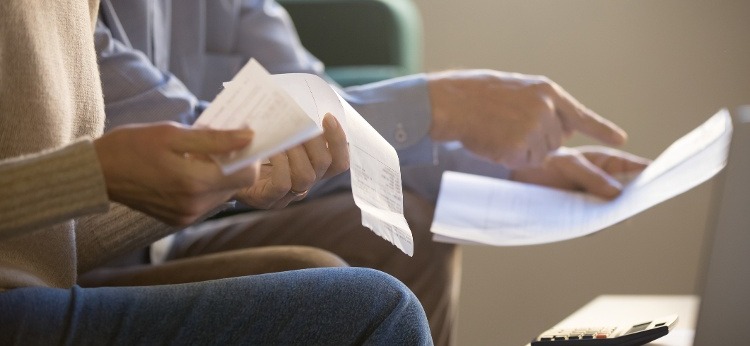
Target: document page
(289, 109)
(253, 100)
(477, 209)
(374, 165)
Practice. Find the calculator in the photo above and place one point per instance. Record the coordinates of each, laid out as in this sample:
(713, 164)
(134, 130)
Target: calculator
(631, 334)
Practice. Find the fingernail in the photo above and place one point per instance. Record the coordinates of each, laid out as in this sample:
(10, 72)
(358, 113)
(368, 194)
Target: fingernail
(330, 121)
(620, 137)
(624, 136)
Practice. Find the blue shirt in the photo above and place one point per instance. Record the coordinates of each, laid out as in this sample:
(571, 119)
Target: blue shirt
(160, 62)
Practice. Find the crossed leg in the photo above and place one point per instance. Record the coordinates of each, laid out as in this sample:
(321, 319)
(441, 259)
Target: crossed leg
(316, 229)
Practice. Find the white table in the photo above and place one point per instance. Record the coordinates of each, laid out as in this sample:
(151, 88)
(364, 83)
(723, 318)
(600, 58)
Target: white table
(616, 309)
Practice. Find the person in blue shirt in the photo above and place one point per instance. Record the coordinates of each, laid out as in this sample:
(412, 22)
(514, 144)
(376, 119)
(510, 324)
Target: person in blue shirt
(161, 61)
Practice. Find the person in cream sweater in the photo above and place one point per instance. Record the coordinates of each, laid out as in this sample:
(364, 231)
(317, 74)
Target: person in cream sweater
(72, 198)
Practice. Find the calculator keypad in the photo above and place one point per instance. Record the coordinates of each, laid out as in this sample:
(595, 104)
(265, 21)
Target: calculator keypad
(578, 334)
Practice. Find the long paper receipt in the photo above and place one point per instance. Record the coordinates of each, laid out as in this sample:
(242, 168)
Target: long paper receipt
(477, 209)
(285, 110)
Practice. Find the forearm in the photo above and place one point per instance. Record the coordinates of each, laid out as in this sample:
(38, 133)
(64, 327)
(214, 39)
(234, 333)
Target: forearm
(46, 188)
(401, 111)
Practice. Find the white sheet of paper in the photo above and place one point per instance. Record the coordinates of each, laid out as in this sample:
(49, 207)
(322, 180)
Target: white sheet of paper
(313, 95)
(376, 182)
(253, 100)
(287, 109)
(374, 165)
(476, 209)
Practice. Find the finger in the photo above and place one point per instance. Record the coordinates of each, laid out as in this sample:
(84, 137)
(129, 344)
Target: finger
(588, 176)
(554, 133)
(615, 161)
(205, 174)
(545, 141)
(301, 171)
(242, 178)
(279, 195)
(537, 151)
(209, 141)
(576, 117)
(318, 155)
(516, 159)
(626, 163)
(272, 190)
(281, 177)
(629, 164)
(337, 146)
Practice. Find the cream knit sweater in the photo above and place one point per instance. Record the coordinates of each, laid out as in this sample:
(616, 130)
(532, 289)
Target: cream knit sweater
(55, 217)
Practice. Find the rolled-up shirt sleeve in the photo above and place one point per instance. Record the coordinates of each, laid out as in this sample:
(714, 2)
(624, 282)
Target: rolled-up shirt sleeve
(399, 109)
(137, 92)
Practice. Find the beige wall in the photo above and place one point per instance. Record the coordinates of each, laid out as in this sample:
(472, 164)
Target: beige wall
(656, 67)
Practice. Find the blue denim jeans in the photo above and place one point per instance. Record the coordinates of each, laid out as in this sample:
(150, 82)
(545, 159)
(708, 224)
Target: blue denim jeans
(329, 306)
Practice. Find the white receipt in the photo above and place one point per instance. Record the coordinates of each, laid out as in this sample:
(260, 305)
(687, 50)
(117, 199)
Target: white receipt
(476, 209)
(252, 100)
(374, 164)
(376, 182)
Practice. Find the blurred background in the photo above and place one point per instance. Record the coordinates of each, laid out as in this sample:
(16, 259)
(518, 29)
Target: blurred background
(656, 68)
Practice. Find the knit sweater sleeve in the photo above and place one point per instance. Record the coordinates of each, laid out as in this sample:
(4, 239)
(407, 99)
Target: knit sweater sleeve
(50, 187)
(102, 237)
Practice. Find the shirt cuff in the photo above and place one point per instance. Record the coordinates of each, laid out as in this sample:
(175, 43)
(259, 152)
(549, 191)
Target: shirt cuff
(399, 108)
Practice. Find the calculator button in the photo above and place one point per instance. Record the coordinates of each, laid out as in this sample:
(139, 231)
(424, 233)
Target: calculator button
(601, 335)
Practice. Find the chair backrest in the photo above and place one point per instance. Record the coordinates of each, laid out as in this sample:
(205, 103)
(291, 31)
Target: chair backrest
(360, 41)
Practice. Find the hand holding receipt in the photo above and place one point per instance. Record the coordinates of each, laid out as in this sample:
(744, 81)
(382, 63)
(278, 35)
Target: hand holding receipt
(285, 110)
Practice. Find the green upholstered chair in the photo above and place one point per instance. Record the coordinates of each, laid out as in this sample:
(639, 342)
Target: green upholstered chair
(360, 41)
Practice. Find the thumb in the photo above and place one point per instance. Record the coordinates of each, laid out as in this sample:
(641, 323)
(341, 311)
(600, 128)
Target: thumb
(209, 141)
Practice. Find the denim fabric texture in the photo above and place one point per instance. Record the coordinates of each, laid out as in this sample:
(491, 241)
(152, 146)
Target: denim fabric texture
(329, 306)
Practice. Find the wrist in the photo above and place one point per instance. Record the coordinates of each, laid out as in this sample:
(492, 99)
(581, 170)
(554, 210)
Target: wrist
(445, 93)
(107, 163)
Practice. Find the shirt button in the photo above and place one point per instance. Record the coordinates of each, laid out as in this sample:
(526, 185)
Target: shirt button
(401, 136)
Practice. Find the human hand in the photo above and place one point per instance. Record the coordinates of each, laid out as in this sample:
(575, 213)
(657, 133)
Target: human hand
(591, 169)
(164, 169)
(290, 175)
(510, 118)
